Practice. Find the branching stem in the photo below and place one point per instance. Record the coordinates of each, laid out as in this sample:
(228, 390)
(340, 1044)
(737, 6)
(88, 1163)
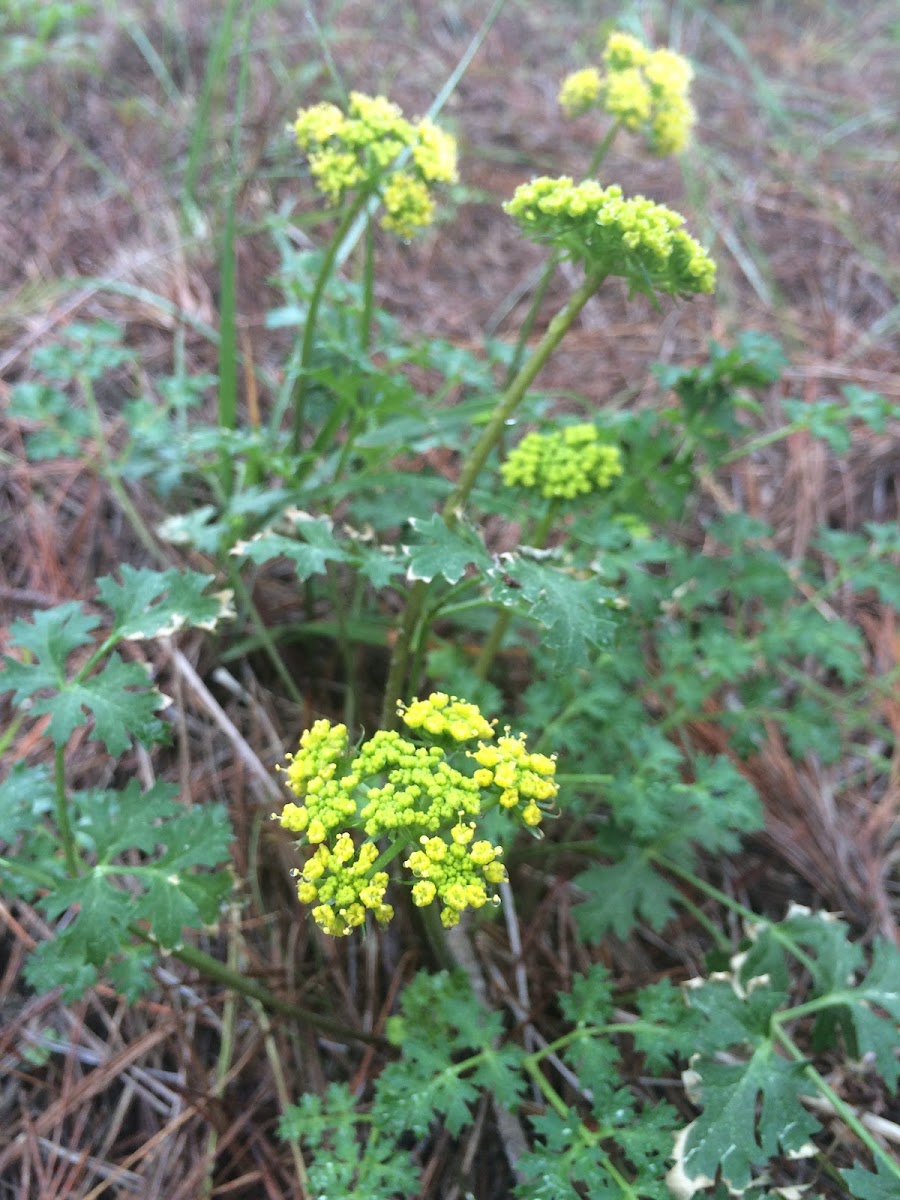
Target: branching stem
(475, 461)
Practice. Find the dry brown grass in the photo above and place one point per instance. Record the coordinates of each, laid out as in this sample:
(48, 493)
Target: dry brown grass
(796, 178)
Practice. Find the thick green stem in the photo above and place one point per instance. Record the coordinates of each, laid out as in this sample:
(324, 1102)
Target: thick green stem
(396, 679)
(437, 937)
(70, 850)
(515, 393)
(759, 443)
(490, 436)
(357, 418)
(726, 901)
(365, 317)
(312, 315)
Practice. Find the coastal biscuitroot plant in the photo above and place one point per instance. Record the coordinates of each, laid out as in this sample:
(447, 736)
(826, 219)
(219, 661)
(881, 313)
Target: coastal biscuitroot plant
(431, 793)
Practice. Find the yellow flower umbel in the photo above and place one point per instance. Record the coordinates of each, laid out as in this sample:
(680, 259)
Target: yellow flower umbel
(457, 872)
(358, 152)
(412, 797)
(609, 233)
(563, 464)
(580, 91)
(648, 91)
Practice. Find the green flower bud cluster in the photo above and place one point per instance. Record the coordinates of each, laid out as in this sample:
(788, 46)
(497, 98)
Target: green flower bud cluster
(423, 791)
(563, 464)
(410, 795)
(356, 152)
(636, 238)
(647, 90)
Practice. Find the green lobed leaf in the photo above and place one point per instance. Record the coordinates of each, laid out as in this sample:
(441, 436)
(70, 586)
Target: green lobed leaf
(198, 528)
(119, 698)
(442, 551)
(834, 959)
(622, 895)
(86, 348)
(866, 1186)
(443, 1020)
(101, 915)
(130, 973)
(589, 1001)
(805, 632)
(343, 1164)
(752, 1111)
(751, 1108)
(865, 1014)
(109, 823)
(311, 547)
(148, 604)
(378, 564)
(877, 1035)
(565, 1163)
(675, 1035)
(568, 1159)
(64, 425)
(60, 963)
(49, 638)
(162, 887)
(170, 904)
(26, 796)
(196, 837)
(574, 611)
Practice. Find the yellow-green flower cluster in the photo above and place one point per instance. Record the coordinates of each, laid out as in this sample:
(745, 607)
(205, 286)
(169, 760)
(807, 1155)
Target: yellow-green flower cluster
(600, 227)
(522, 778)
(457, 872)
(357, 151)
(343, 887)
(310, 773)
(441, 715)
(563, 464)
(410, 795)
(580, 91)
(647, 90)
(422, 792)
